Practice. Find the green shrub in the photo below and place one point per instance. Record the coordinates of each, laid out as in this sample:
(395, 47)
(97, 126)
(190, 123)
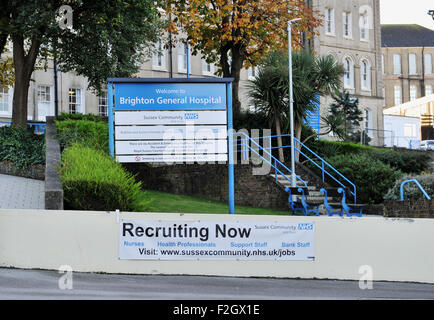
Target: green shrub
(407, 162)
(91, 133)
(79, 116)
(325, 148)
(372, 178)
(411, 190)
(20, 147)
(92, 180)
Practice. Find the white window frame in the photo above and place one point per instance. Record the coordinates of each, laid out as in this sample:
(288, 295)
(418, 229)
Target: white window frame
(397, 95)
(347, 25)
(50, 102)
(77, 96)
(329, 25)
(205, 66)
(383, 66)
(365, 75)
(159, 56)
(413, 93)
(364, 26)
(103, 103)
(397, 67)
(412, 64)
(428, 63)
(369, 123)
(349, 73)
(9, 99)
(251, 73)
(428, 91)
(182, 51)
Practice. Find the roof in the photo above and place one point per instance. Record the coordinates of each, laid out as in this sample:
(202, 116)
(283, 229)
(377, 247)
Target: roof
(406, 35)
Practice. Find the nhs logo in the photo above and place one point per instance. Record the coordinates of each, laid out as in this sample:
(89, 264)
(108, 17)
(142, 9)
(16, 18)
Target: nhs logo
(191, 116)
(305, 226)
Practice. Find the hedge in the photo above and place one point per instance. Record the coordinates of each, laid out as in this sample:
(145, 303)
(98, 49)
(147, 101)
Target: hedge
(92, 180)
(405, 161)
(20, 147)
(79, 116)
(411, 190)
(372, 178)
(87, 132)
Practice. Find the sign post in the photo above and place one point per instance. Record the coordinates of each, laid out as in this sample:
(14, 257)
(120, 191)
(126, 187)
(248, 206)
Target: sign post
(174, 120)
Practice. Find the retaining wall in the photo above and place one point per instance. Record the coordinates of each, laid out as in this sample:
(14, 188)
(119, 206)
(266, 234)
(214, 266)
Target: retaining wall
(210, 181)
(396, 249)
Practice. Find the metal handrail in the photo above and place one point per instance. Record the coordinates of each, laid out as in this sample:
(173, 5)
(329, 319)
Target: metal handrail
(418, 184)
(271, 157)
(323, 162)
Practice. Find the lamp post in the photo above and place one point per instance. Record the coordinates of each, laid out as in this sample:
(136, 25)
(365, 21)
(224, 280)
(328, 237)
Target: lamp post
(291, 105)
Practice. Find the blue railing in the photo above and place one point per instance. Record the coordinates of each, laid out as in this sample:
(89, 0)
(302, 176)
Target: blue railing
(418, 184)
(324, 166)
(273, 162)
(39, 127)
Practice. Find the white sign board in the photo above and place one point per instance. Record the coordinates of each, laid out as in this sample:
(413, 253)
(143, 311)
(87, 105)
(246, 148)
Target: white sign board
(206, 240)
(174, 158)
(170, 117)
(170, 132)
(171, 147)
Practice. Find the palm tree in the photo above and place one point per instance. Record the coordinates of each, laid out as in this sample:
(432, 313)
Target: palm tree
(312, 76)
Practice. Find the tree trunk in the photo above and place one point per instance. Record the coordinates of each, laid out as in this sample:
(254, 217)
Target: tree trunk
(279, 139)
(237, 65)
(23, 65)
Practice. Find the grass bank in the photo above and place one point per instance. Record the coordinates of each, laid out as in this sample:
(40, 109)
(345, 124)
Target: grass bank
(175, 203)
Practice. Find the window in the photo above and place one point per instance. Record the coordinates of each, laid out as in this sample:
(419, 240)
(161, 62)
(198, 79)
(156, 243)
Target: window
(383, 67)
(74, 100)
(102, 104)
(413, 93)
(208, 68)
(364, 26)
(428, 63)
(409, 130)
(159, 56)
(347, 25)
(349, 73)
(330, 21)
(398, 95)
(365, 74)
(368, 121)
(182, 57)
(45, 103)
(412, 63)
(396, 64)
(252, 73)
(428, 90)
(4, 101)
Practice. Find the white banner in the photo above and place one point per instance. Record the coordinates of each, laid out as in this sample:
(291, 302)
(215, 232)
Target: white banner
(171, 147)
(174, 158)
(170, 117)
(170, 132)
(207, 240)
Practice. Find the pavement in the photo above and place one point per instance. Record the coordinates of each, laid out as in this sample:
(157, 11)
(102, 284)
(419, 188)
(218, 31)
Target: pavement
(21, 193)
(52, 285)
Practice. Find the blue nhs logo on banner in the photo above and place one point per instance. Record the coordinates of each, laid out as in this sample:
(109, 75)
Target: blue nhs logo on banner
(171, 96)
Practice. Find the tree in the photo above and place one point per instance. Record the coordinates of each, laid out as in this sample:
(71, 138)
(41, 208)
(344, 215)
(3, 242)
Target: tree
(239, 33)
(106, 40)
(312, 76)
(345, 111)
(268, 94)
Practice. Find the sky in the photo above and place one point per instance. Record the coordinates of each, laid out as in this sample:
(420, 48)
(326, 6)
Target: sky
(407, 12)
